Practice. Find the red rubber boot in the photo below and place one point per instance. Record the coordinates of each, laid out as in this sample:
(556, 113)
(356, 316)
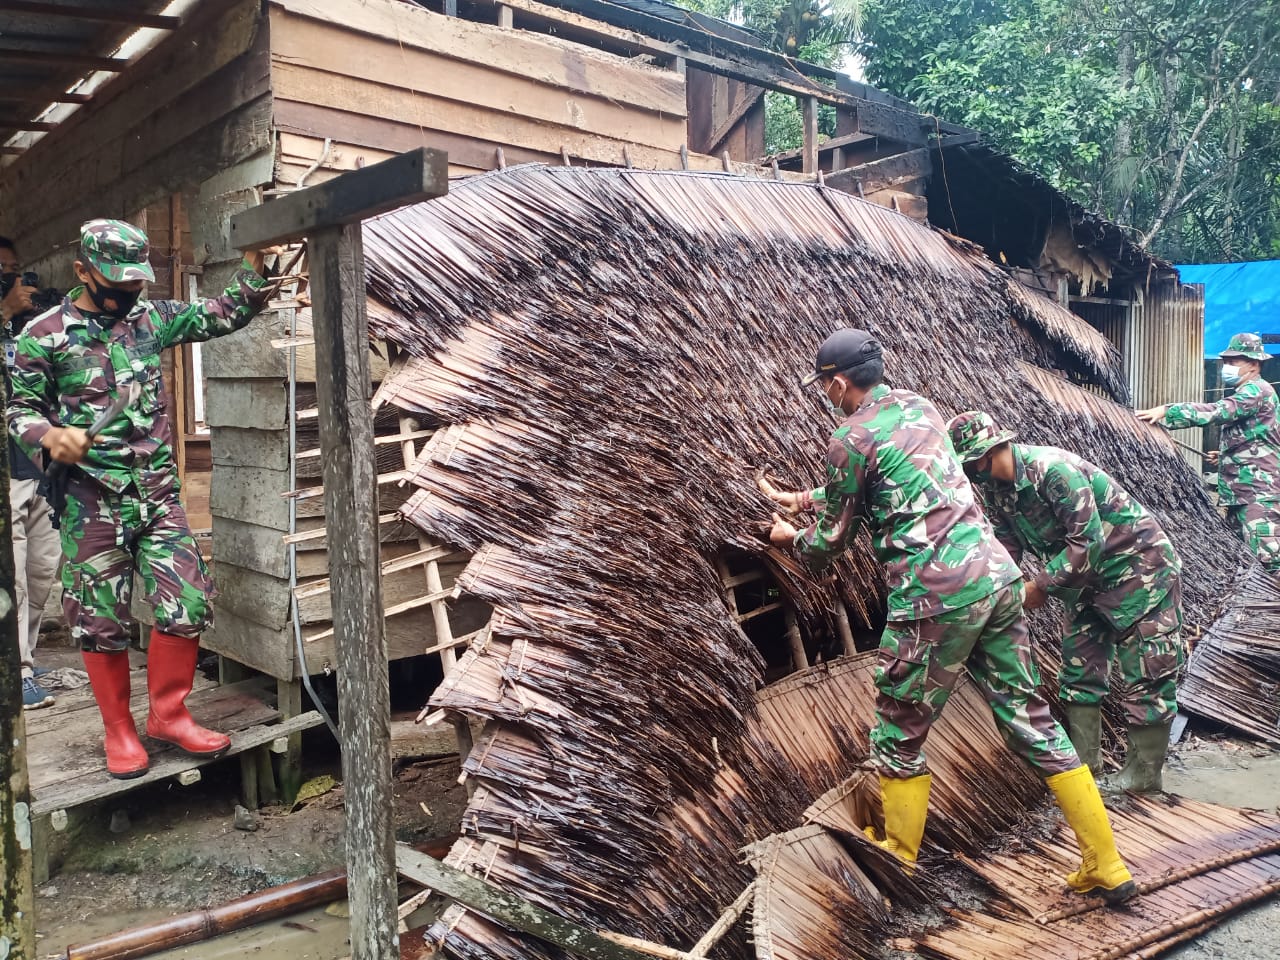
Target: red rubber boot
(109, 677)
(171, 670)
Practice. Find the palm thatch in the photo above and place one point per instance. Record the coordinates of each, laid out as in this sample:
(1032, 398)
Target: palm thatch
(610, 356)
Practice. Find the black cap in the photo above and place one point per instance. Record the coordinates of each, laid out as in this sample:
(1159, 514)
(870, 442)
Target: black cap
(843, 350)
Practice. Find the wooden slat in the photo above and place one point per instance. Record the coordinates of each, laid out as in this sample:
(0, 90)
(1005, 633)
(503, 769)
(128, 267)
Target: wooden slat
(531, 57)
(418, 557)
(132, 18)
(63, 59)
(598, 95)
(93, 787)
(394, 610)
(72, 746)
(355, 96)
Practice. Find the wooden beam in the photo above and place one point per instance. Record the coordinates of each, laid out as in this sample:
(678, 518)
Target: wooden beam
(26, 125)
(109, 64)
(99, 14)
(45, 99)
(809, 159)
(514, 912)
(408, 178)
(6, 151)
(880, 174)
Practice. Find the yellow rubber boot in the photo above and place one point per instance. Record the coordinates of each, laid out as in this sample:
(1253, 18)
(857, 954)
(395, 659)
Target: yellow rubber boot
(1101, 872)
(906, 805)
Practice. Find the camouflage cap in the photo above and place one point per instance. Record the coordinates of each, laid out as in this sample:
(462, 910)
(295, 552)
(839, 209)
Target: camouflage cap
(1247, 345)
(974, 433)
(117, 250)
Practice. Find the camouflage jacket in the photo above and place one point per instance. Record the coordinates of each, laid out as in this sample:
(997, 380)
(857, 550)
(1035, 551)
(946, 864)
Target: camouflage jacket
(890, 466)
(71, 365)
(1249, 465)
(1098, 544)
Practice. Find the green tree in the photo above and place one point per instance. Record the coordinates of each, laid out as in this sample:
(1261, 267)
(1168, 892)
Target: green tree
(1163, 114)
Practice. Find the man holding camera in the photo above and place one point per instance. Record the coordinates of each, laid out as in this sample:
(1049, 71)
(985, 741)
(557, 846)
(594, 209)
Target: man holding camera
(35, 543)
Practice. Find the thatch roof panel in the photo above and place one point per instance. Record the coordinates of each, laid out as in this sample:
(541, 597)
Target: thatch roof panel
(613, 355)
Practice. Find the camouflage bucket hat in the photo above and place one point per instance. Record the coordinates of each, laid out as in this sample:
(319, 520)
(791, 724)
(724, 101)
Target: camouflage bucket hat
(1247, 345)
(117, 250)
(974, 433)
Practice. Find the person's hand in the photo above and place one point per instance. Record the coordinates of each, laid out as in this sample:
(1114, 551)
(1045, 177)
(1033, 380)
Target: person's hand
(258, 258)
(1212, 457)
(67, 444)
(17, 301)
(1034, 598)
(1153, 415)
(782, 534)
(784, 498)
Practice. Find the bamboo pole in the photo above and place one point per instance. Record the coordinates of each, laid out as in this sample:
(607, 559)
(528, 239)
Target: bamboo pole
(225, 918)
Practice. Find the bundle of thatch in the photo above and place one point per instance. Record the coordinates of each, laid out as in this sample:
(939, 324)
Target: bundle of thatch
(611, 355)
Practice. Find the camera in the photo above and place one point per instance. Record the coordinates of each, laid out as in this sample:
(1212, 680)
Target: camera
(41, 300)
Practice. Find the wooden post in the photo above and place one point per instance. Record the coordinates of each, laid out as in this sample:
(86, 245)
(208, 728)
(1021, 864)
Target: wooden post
(289, 703)
(351, 518)
(329, 215)
(809, 160)
(17, 883)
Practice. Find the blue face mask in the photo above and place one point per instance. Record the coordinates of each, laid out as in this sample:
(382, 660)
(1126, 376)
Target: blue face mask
(1230, 374)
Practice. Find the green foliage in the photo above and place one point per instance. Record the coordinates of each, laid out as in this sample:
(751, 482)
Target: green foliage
(784, 123)
(1163, 114)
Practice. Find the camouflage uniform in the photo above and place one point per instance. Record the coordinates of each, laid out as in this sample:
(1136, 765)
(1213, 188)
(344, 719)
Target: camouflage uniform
(1249, 464)
(955, 596)
(1110, 564)
(122, 498)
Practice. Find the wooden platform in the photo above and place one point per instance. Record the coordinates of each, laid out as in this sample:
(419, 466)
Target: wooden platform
(65, 755)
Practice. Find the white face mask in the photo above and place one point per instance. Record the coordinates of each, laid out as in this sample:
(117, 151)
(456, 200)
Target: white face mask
(1230, 373)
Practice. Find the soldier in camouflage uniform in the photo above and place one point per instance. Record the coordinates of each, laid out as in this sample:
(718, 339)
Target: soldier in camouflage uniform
(955, 602)
(122, 510)
(1114, 570)
(1249, 462)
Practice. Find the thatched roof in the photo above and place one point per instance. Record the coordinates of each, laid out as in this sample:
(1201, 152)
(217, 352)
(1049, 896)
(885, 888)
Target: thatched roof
(613, 354)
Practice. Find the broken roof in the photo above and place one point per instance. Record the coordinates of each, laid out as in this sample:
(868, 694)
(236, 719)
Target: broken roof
(610, 356)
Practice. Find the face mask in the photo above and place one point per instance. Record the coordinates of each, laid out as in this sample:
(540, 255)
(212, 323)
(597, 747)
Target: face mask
(1230, 373)
(833, 405)
(124, 300)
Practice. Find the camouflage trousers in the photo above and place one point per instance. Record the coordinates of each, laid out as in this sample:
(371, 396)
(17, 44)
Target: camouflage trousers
(920, 663)
(1148, 658)
(105, 538)
(1260, 529)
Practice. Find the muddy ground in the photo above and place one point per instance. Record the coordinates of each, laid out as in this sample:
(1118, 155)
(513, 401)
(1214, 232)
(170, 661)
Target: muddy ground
(180, 851)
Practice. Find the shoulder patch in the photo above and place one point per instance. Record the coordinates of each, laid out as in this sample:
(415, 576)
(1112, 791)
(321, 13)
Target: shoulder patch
(1056, 486)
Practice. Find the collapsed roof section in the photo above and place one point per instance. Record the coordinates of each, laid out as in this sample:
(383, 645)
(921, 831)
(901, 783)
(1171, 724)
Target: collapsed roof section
(610, 356)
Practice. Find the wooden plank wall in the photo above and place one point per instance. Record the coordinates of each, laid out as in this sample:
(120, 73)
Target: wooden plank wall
(195, 105)
(724, 115)
(248, 414)
(377, 77)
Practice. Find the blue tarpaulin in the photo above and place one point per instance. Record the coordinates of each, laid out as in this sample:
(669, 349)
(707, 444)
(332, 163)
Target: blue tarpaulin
(1238, 298)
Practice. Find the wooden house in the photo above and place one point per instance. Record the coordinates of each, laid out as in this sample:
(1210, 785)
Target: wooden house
(237, 101)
